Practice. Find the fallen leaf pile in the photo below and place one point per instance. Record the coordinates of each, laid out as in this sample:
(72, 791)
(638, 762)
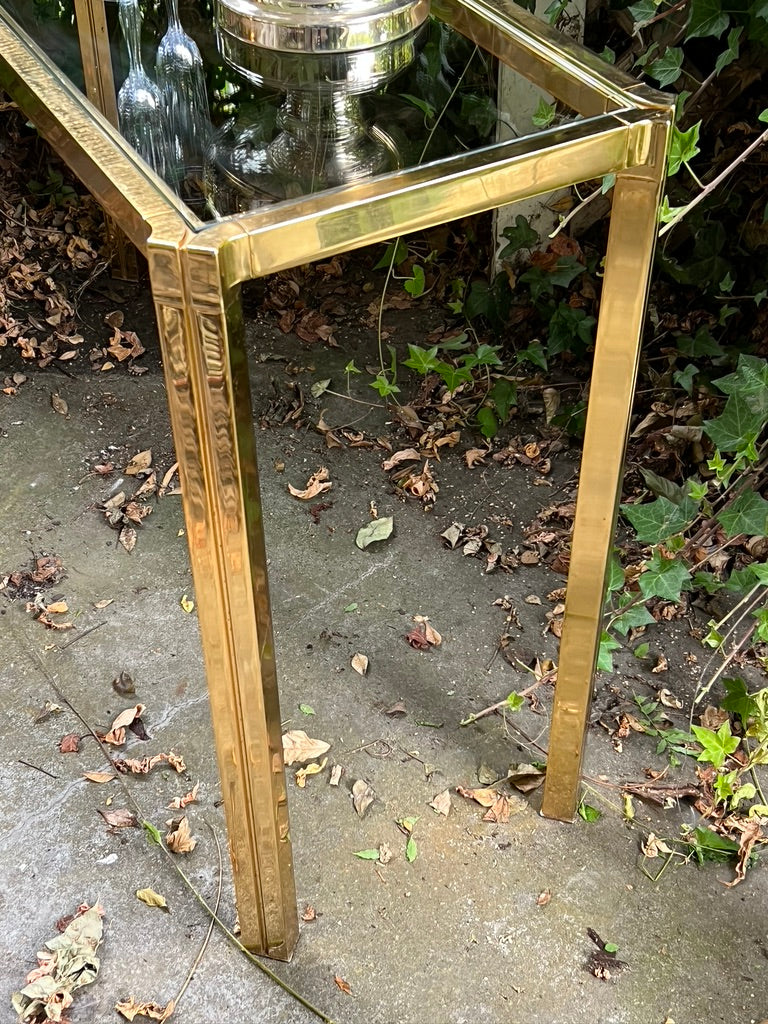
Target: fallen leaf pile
(124, 513)
(68, 962)
(476, 542)
(28, 584)
(423, 635)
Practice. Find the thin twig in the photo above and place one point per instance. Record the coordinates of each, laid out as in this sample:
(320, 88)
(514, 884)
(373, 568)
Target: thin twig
(37, 768)
(710, 188)
(80, 636)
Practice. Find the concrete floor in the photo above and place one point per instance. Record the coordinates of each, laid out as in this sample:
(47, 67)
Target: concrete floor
(456, 936)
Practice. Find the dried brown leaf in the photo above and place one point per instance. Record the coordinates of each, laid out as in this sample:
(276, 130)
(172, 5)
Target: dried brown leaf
(404, 455)
(151, 898)
(119, 818)
(297, 747)
(130, 1008)
(308, 913)
(359, 663)
(180, 802)
(362, 797)
(139, 464)
(178, 838)
(318, 483)
(116, 734)
(59, 404)
(127, 538)
(543, 898)
(343, 985)
(499, 811)
(484, 797)
(311, 769)
(69, 744)
(749, 836)
(442, 803)
(99, 776)
(475, 456)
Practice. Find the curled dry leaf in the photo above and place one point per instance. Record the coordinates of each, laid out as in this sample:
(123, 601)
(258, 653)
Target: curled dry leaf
(59, 404)
(404, 455)
(310, 769)
(57, 608)
(499, 811)
(116, 734)
(662, 665)
(144, 765)
(362, 797)
(308, 913)
(654, 847)
(343, 985)
(151, 898)
(442, 803)
(484, 797)
(180, 802)
(69, 744)
(359, 663)
(178, 838)
(297, 747)
(127, 538)
(668, 699)
(130, 1008)
(431, 635)
(121, 817)
(543, 898)
(99, 776)
(139, 464)
(318, 483)
(385, 853)
(749, 836)
(475, 456)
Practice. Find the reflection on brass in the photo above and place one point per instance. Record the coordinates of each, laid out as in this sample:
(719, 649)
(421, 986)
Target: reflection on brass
(196, 269)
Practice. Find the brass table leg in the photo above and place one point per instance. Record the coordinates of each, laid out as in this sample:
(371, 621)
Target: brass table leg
(200, 324)
(629, 256)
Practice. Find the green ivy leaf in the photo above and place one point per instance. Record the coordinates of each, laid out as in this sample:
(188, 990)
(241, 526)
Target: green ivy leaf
(489, 425)
(717, 745)
(642, 12)
(487, 355)
(152, 833)
(750, 382)
(666, 578)
(684, 146)
(731, 52)
(615, 579)
(544, 114)
(519, 235)
(634, 617)
(452, 375)
(371, 533)
(397, 250)
(608, 644)
(306, 709)
(414, 285)
(736, 426)
(658, 520)
(589, 813)
(411, 850)
(367, 854)
(426, 108)
(707, 19)
(667, 68)
(747, 514)
(514, 701)
(503, 394)
(422, 360)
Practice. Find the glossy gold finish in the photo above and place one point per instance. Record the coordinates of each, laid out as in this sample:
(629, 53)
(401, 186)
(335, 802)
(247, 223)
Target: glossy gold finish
(195, 271)
(612, 387)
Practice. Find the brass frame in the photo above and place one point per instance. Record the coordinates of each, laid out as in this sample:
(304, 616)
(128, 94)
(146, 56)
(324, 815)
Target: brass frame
(196, 270)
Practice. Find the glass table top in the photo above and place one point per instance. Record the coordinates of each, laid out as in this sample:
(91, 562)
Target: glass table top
(238, 106)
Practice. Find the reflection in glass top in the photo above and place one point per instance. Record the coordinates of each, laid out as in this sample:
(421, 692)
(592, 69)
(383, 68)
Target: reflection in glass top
(320, 100)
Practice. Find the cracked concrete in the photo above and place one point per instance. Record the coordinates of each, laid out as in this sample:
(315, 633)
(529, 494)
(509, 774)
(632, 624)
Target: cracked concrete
(454, 937)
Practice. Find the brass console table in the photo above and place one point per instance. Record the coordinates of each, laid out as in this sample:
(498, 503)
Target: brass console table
(196, 269)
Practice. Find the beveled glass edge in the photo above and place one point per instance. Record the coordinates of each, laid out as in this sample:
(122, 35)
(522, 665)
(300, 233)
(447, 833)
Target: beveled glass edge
(560, 65)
